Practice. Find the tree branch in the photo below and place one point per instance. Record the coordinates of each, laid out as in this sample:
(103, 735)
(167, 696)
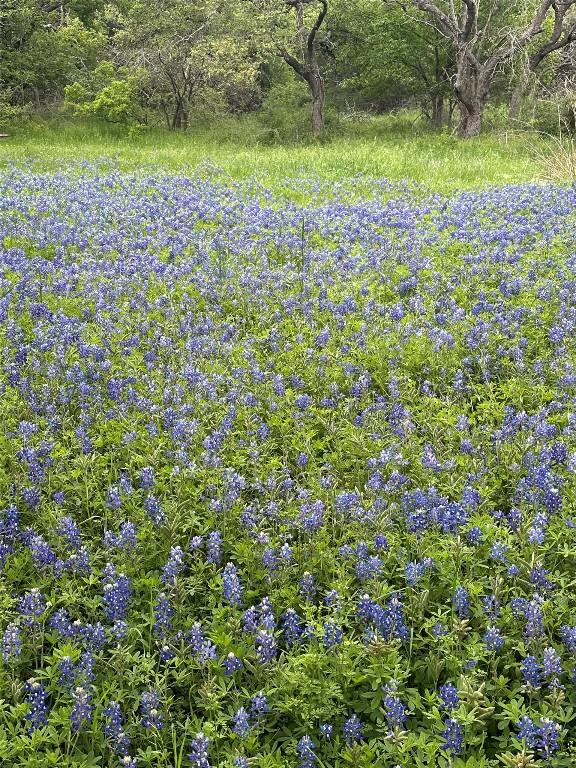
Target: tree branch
(316, 27)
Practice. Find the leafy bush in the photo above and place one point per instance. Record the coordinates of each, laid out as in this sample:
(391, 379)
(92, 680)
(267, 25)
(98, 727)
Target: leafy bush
(111, 94)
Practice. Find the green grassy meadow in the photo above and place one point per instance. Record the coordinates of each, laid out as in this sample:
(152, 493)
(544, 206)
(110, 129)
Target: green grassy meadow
(440, 162)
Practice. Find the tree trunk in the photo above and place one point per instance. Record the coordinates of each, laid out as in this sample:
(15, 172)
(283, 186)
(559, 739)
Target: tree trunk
(518, 94)
(472, 89)
(317, 91)
(437, 113)
(180, 117)
(471, 116)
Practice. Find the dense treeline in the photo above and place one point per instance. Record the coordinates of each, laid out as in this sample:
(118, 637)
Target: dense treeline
(172, 62)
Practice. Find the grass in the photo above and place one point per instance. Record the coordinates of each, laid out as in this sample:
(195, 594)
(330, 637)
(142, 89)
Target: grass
(441, 162)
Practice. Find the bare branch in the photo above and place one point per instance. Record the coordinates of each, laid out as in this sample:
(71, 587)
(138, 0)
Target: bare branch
(316, 26)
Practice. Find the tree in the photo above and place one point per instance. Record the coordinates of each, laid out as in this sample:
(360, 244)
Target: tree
(561, 36)
(389, 59)
(43, 47)
(183, 54)
(306, 64)
(484, 38)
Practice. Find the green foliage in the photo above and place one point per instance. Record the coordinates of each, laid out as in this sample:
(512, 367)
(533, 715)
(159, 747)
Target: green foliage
(40, 53)
(389, 58)
(285, 113)
(11, 114)
(110, 94)
(183, 63)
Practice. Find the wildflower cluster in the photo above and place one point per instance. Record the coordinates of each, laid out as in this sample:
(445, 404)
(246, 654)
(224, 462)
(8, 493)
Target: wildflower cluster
(293, 472)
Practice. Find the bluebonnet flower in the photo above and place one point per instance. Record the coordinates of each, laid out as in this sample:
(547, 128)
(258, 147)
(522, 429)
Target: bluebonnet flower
(42, 553)
(250, 620)
(114, 729)
(449, 696)
(491, 606)
(461, 602)
(196, 543)
(165, 653)
(415, 571)
(308, 587)
(534, 627)
(527, 731)
(68, 529)
(114, 500)
(36, 698)
(31, 606)
(67, 672)
(536, 535)
(552, 665)
(539, 577)
(381, 542)
(475, 536)
(548, 737)
(453, 735)
(311, 516)
(332, 634)
(31, 497)
(149, 710)
(305, 751)
(163, 613)
(545, 738)
(60, 621)
(332, 599)
(215, 547)
(85, 667)
(117, 593)
(174, 565)
(124, 539)
(203, 648)
(154, 509)
(198, 755)
(11, 643)
(302, 460)
(231, 664)
(569, 638)
(147, 478)
(125, 484)
(368, 568)
(326, 730)
(269, 559)
(266, 647)
(259, 705)
(493, 639)
(291, 627)
(518, 605)
(231, 586)
(94, 636)
(81, 708)
(352, 730)
(323, 338)
(498, 552)
(241, 722)
(394, 711)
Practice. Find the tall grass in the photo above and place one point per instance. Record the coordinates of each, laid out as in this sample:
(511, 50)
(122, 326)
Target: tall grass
(441, 162)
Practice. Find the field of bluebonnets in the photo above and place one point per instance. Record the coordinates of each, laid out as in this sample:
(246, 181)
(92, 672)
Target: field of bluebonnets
(287, 477)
